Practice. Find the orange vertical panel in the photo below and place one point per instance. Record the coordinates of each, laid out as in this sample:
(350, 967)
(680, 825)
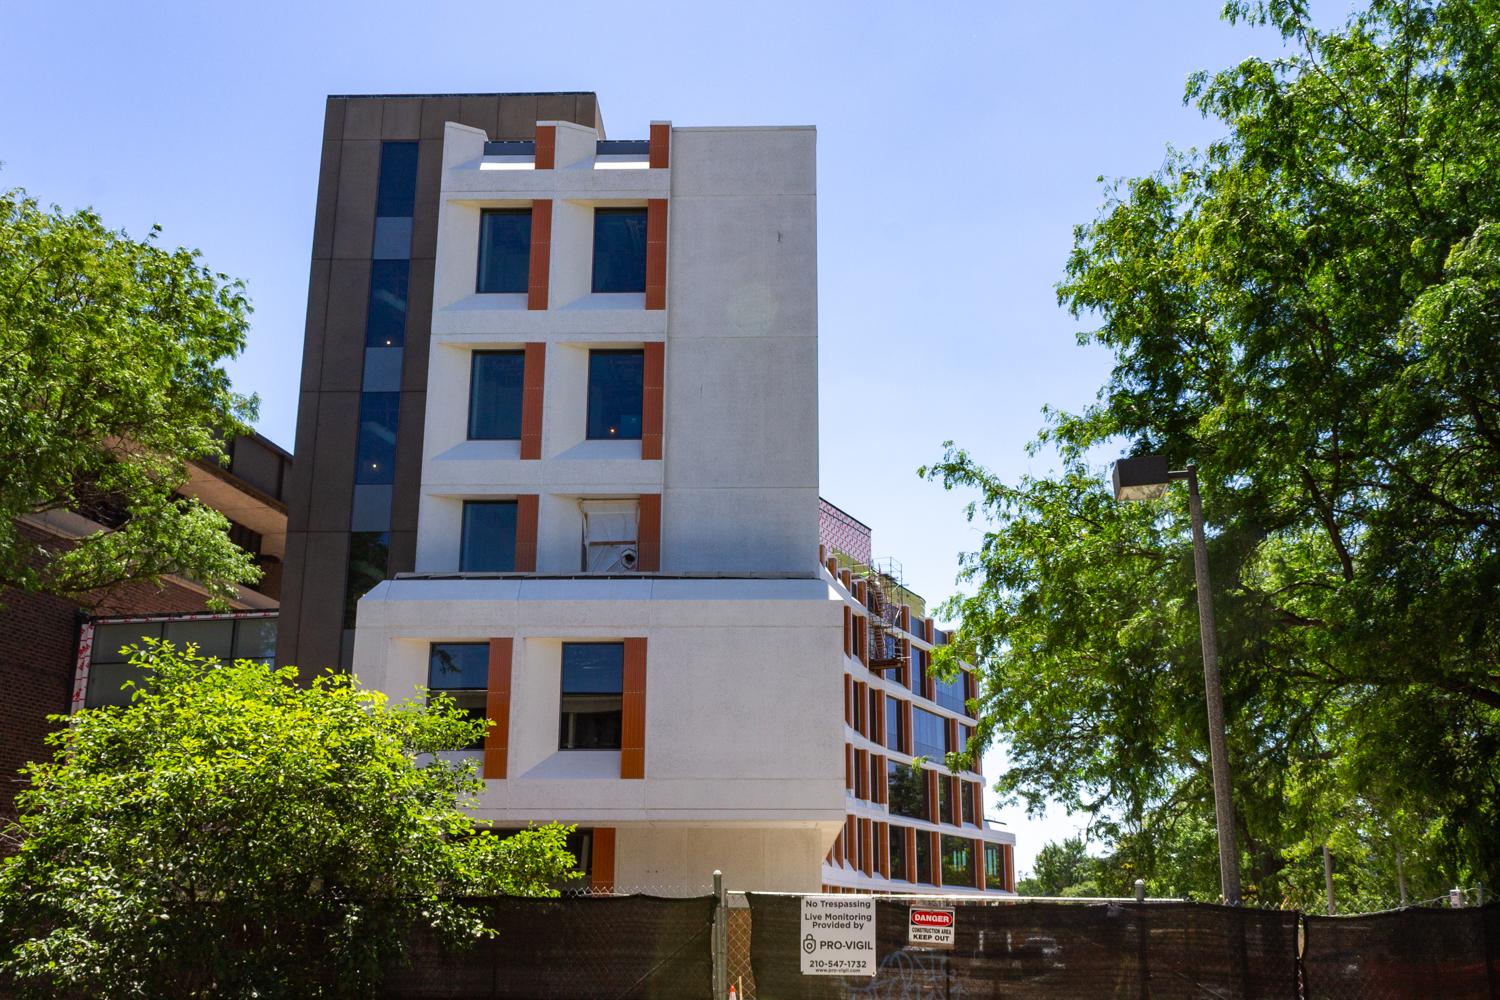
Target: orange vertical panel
(633, 722)
(648, 535)
(861, 592)
(932, 795)
(656, 253)
(883, 849)
(541, 254)
(546, 147)
(851, 839)
(843, 576)
(822, 554)
(879, 785)
(497, 709)
(848, 629)
(910, 833)
(603, 879)
(864, 639)
(906, 737)
(833, 567)
(661, 145)
(526, 515)
(849, 766)
(861, 775)
(1010, 866)
(979, 864)
(935, 852)
(653, 386)
(862, 709)
(838, 849)
(533, 384)
(868, 848)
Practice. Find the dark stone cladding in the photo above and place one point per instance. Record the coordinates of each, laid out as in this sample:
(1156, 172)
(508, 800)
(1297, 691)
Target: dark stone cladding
(322, 488)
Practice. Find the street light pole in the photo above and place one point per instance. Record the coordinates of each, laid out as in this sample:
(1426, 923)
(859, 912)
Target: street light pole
(1218, 744)
(1146, 478)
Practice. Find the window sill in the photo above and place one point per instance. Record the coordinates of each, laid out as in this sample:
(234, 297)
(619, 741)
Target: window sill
(610, 300)
(482, 451)
(483, 302)
(576, 764)
(623, 451)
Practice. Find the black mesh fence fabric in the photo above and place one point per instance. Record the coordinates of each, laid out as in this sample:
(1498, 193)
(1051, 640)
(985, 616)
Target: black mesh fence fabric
(601, 948)
(1047, 951)
(1413, 953)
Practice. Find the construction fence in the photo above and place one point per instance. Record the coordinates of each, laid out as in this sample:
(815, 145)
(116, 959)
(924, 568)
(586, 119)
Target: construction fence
(750, 946)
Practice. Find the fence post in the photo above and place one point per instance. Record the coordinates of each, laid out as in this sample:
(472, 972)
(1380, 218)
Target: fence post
(1328, 878)
(721, 940)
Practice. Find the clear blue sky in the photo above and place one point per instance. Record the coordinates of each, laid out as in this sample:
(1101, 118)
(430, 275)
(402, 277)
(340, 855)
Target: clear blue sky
(958, 144)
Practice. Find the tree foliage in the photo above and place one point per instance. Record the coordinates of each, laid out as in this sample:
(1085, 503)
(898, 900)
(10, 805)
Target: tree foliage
(1310, 312)
(110, 379)
(234, 834)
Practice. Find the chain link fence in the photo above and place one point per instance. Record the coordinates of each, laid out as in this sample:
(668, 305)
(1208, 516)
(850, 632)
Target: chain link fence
(684, 942)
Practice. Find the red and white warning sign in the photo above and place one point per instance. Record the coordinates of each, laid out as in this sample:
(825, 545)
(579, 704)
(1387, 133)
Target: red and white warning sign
(930, 928)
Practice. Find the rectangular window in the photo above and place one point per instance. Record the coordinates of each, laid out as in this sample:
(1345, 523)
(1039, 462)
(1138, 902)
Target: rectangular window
(906, 791)
(461, 671)
(495, 384)
(897, 854)
(958, 861)
(918, 671)
(369, 553)
(375, 452)
(504, 250)
(924, 857)
(945, 799)
(619, 250)
(965, 734)
(593, 686)
(929, 734)
(895, 724)
(398, 178)
(385, 322)
(950, 694)
(859, 707)
(610, 530)
(861, 776)
(875, 719)
(489, 537)
(616, 381)
(994, 866)
(970, 791)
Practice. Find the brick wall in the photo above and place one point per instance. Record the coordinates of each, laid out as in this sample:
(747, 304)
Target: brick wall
(37, 636)
(839, 531)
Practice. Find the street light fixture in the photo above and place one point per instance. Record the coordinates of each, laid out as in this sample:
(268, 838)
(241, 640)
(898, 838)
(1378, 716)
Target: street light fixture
(1147, 478)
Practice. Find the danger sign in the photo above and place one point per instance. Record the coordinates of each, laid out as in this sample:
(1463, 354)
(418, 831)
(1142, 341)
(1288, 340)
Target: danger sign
(838, 936)
(930, 928)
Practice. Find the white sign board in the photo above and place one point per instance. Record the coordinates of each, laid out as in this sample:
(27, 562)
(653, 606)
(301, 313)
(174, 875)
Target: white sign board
(838, 936)
(929, 927)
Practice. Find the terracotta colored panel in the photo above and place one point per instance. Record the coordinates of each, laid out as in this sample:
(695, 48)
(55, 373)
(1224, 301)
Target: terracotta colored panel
(546, 147)
(906, 618)
(661, 146)
(861, 775)
(878, 784)
(603, 860)
(633, 723)
(497, 708)
(1010, 866)
(906, 726)
(905, 669)
(910, 833)
(850, 837)
(648, 535)
(864, 636)
(833, 566)
(533, 386)
(979, 864)
(848, 767)
(932, 795)
(838, 849)
(848, 633)
(843, 576)
(656, 254)
(526, 513)
(935, 852)
(822, 555)
(862, 708)
(541, 253)
(860, 593)
(653, 389)
(883, 849)
(869, 850)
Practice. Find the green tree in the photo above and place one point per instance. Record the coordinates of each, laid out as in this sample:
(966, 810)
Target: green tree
(110, 379)
(1310, 312)
(1061, 870)
(232, 833)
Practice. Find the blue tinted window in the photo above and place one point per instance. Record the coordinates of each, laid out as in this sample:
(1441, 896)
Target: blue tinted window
(385, 322)
(489, 539)
(619, 249)
(369, 552)
(906, 792)
(929, 734)
(376, 451)
(505, 250)
(615, 380)
(958, 861)
(495, 382)
(593, 682)
(454, 665)
(398, 178)
(950, 694)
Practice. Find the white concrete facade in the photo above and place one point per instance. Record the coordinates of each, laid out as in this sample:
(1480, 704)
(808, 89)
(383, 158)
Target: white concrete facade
(745, 740)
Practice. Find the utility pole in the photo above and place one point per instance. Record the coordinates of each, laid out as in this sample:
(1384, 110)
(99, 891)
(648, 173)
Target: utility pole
(1328, 878)
(1147, 478)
